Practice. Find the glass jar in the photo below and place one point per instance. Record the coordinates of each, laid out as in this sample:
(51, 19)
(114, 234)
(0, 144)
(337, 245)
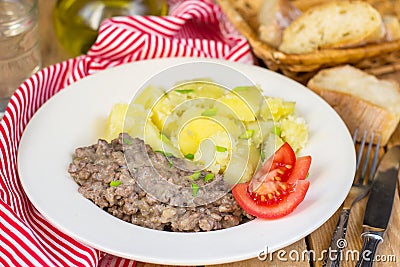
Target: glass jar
(76, 22)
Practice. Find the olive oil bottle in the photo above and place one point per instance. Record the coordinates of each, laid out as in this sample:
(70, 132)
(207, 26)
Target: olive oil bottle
(76, 22)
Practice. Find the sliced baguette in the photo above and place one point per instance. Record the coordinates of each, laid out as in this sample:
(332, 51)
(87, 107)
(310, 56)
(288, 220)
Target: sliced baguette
(392, 28)
(362, 100)
(335, 24)
(273, 18)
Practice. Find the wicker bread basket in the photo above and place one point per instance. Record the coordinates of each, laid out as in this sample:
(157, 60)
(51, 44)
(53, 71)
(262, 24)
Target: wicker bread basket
(378, 58)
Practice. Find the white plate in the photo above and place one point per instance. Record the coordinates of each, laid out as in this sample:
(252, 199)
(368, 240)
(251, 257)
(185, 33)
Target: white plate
(74, 117)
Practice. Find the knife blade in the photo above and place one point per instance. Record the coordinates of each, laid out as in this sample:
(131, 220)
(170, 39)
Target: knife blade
(379, 205)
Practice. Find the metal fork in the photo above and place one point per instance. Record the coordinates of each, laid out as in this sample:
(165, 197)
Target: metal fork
(360, 188)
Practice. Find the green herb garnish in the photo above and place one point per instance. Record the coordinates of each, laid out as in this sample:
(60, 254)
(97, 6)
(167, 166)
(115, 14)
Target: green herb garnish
(195, 176)
(240, 88)
(127, 141)
(262, 155)
(221, 148)
(115, 183)
(210, 112)
(184, 91)
(166, 154)
(208, 177)
(247, 135)
(189, 156)
(195, 189)
(276, 130)
(165, 138)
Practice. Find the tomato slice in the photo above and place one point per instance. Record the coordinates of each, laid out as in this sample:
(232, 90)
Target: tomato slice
(283, 156)
(300, 169)
(283, 159)
(278, 187)
(273, 211)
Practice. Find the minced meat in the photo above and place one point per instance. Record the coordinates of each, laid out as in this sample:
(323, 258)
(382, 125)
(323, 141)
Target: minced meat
(129, 180)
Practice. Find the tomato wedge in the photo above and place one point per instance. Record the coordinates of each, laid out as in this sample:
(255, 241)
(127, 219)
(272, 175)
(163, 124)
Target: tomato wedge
(273, 211)
(278, 187)
(284, 159)
(300, 170)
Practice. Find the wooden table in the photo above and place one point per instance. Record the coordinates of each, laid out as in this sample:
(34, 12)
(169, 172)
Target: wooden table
(317, 241)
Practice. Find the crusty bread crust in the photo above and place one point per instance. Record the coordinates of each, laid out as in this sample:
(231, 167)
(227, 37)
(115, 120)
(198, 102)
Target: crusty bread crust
(336, 24)
(392, 28)
(274, 17)
(358, 110)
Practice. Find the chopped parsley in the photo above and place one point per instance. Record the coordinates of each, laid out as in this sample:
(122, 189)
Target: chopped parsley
(127, 141)
(208, 177)
(184, 91)
(210, 112)
(115, 183)
(166, 154)
(262, 155)
(195, 189)
(276, 130)
(165, 138)
(195, 176)
(189, 156)
(247, 135)
(240, 88)
(221, 148)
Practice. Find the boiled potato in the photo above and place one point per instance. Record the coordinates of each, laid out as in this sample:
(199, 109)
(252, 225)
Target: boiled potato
(260, 130)
(241, 110)
(294, 130)
(194, 90)
(197, 130)
(115, 121)
(275, 108)
(148, 96)
(243, 163)
(214, 153)
(161, 110)
(229, 132)
(251, 95)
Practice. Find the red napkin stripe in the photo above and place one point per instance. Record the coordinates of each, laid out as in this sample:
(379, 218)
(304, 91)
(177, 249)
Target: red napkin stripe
(193, 28)
(30, 239)
(109, 260)
(196, 18)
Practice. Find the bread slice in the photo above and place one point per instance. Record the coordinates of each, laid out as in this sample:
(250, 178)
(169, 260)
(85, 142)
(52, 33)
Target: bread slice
(392, 28)
(335, 24)
(362, 100)
(273, 18)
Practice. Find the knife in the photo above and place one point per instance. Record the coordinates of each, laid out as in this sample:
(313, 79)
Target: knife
(379, 205)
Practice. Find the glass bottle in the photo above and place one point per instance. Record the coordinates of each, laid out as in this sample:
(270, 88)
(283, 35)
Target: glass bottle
(76, 22)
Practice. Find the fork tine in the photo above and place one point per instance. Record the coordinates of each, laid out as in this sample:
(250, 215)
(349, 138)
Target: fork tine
(366, 157)
(358, 190)
(355, 136)
(361, 149)
(375, 160)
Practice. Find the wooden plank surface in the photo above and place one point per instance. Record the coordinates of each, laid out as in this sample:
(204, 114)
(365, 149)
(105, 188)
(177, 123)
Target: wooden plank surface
(317, 241)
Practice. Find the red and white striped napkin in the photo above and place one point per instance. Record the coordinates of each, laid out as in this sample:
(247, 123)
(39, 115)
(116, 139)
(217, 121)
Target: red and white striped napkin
(193, 28)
